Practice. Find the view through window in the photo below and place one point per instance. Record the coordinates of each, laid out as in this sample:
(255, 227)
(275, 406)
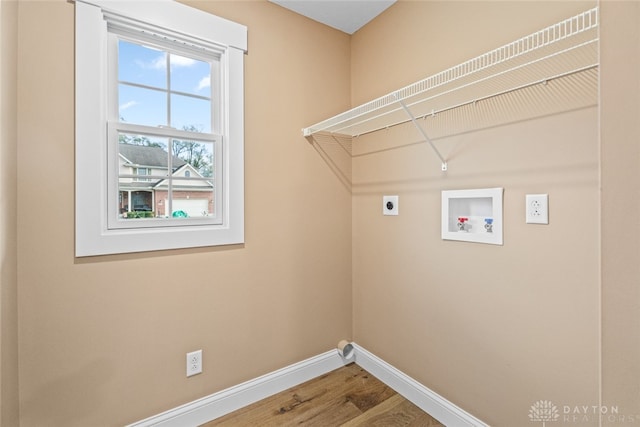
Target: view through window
(161, 175)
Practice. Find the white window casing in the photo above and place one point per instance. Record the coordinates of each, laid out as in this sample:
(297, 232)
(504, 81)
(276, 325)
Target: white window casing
(168, 22)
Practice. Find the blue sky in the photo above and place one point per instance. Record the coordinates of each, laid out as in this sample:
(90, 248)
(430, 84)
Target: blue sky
(148, 106)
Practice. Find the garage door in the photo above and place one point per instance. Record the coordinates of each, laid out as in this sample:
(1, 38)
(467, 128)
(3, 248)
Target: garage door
(193, 207)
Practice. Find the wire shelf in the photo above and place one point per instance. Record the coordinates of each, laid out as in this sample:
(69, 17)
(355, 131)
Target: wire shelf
(555, 52)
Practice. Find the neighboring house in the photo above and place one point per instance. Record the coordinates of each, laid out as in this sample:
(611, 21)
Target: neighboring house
(144, 193)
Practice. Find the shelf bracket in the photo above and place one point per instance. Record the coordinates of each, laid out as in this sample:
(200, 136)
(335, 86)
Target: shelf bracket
(422, 131)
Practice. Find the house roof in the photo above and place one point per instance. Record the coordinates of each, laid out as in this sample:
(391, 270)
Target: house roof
(163, 182)
(145, 155)
(155, 157)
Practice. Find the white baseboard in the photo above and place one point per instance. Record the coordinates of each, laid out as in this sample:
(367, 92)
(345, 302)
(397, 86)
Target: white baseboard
(226, 401)
(424, 398)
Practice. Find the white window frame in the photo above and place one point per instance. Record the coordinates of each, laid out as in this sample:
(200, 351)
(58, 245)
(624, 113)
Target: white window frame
(94, 236)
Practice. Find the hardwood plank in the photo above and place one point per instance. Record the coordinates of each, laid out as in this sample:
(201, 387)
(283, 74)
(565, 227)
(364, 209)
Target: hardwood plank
(329, 400)
(346, 397)
(394, 412)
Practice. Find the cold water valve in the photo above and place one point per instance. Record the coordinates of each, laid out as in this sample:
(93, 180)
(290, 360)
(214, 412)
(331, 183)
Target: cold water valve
(488, 225)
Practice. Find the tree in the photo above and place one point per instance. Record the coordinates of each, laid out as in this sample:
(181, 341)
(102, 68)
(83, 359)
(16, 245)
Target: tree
(196, 154)
(125, 138)
(138, 140)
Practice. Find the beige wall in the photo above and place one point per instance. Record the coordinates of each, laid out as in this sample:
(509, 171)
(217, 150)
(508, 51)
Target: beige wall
(620, 158)
(8, 197)
(103, 340)
(491, 328)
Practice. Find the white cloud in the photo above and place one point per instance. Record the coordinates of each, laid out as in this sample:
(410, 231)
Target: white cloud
(160, 62)
(181, 61)
(128, 105)
(204, 83)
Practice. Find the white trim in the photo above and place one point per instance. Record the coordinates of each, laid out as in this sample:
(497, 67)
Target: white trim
(424, 398)
(179, 17)
(226, 401)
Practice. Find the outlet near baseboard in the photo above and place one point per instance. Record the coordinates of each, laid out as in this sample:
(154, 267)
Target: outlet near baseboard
(194, 363)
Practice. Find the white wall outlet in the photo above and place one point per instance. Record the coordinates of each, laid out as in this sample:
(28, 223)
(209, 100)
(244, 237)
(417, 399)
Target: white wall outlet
(194, 363)
(389, 205)
(537, 209)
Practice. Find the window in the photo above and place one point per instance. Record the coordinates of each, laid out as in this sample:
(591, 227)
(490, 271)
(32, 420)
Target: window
(164, 111)
(142, 172)
(159, 128)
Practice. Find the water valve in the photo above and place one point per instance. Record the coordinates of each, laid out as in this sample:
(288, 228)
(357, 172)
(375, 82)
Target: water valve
(488, 225)
(462, 223)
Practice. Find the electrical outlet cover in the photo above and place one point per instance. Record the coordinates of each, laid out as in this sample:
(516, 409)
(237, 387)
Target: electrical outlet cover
(194, 363)
(537, 209)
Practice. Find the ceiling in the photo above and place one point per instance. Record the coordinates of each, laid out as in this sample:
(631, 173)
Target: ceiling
(345, 15)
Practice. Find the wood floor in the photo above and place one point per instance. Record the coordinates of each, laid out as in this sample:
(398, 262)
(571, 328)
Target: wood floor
(346, 397)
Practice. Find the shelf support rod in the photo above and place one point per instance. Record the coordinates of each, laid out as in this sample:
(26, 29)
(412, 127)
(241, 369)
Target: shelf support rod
(422, 131)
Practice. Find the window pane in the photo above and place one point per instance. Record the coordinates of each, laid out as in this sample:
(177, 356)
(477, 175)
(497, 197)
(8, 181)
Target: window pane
(190, 76)
(190, 113)
(142, 166)
(142, 106)
(142, 65)
(198, 157)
